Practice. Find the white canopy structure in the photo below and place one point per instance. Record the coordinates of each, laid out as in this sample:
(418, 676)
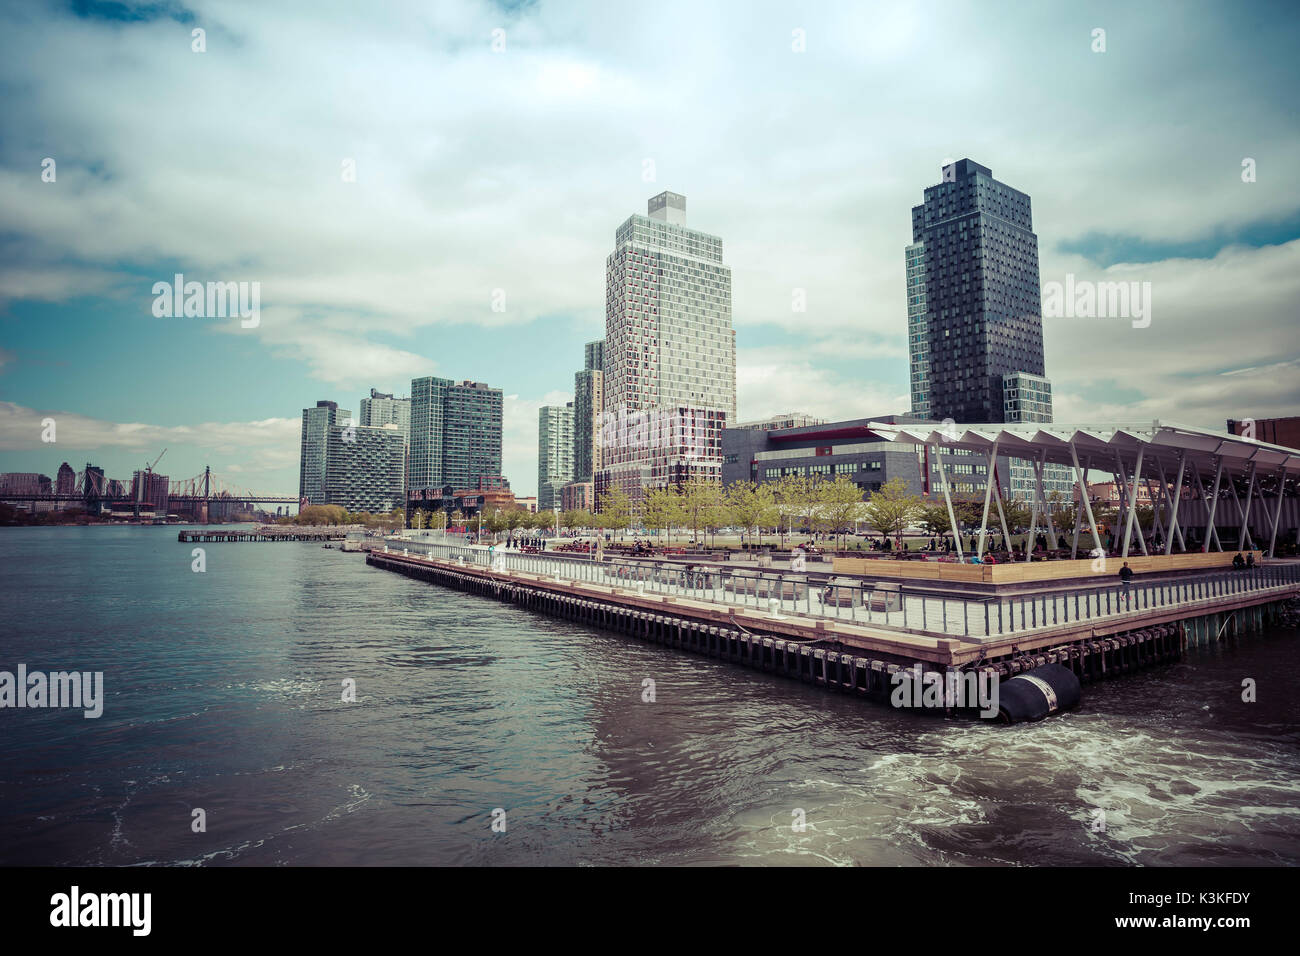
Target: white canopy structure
(1182, 462)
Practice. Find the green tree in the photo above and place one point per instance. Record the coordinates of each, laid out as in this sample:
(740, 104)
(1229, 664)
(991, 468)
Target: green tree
(891, 509)
(322, 515)
(750, 505)
(700, 498)
(933, 517)
(1017, 515)
(657, 510)
(615, 509)
(839, 506)
(515, 518)
(790, 491)
(814, 495)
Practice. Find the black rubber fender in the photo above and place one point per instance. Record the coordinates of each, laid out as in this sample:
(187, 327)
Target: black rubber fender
(1038, 693)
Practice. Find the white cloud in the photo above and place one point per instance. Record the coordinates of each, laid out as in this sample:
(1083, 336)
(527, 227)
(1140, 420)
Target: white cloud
(479, 171)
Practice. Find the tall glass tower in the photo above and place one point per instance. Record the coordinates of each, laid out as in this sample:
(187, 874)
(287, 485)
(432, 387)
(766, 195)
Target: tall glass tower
(974, 299)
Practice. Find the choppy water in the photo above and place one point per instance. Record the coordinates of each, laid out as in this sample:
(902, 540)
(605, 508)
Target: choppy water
(223, 692)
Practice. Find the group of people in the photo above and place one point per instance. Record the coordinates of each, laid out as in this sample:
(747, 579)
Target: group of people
(1243, 564)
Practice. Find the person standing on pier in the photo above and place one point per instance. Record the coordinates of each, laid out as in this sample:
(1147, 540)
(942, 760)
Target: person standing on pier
(1126, 577)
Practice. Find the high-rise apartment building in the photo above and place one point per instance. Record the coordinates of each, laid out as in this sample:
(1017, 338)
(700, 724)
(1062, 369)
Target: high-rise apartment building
(428, 409)
(588, 401)
(472, 434)
(974, 299)
(670, 352)
(150, 491)
(455, 433)
(555, 441)
(316, 423)
(65, 481)
(365, 468)
(917, 337)
(380, 409)
(594, 356)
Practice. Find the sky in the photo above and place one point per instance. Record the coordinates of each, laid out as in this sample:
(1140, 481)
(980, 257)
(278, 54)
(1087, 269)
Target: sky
(496, 147)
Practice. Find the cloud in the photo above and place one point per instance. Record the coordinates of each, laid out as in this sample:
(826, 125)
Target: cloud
(264, 450)
(769, 383)
(1221, 343)
(500, 177)
(519, 438)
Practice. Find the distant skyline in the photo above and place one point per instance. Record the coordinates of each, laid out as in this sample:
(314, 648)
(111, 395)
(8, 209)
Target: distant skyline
(489, 184)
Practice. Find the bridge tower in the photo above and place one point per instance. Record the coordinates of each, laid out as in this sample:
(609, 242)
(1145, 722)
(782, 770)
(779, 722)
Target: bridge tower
(207, 490)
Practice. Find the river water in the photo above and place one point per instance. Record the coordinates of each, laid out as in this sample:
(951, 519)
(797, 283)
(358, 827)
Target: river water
(223, 693)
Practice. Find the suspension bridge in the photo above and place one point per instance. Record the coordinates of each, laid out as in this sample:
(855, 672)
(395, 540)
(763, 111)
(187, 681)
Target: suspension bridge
(149, 492)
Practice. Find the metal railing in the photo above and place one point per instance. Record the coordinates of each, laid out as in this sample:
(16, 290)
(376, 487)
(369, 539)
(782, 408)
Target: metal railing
(884, 605)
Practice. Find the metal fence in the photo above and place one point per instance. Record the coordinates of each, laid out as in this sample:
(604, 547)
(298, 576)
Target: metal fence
(887, 605)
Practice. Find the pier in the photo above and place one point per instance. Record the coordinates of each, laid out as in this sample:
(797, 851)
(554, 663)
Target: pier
(855, 634)
(208, 536)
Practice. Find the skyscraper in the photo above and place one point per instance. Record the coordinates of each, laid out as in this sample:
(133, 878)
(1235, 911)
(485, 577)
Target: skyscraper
(472, 434)
(670, 352)
(555, 440)
(973, 293)
(150, 491)
(65, 482)
(917, 337)
(428, 408)
(455, 433)
(588, 400)
(316, 423)
(365, 468)
(381, 409)
(594, 356)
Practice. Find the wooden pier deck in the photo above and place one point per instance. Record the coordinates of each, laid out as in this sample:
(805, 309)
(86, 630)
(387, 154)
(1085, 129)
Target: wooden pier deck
(212, 537)
(836, 650)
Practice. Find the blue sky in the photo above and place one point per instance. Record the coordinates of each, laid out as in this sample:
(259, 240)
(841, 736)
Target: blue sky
(481, 169)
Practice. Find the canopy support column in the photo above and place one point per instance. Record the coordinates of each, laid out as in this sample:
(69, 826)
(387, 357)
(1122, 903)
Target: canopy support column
(1244, 534)
(988, 493)
(1081, 476)
(952, 517)
(1210, 528)
(1132, 509)
(1173, 508)
(1277, 511)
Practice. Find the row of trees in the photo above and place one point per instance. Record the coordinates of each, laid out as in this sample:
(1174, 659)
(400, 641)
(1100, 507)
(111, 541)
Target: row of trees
(815, 504)
(334, 515)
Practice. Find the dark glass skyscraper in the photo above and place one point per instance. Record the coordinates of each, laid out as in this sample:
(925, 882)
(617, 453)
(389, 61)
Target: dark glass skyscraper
(975, 303)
